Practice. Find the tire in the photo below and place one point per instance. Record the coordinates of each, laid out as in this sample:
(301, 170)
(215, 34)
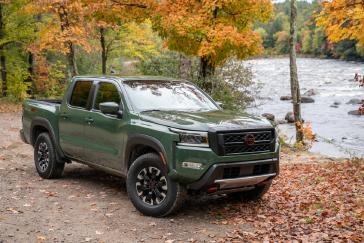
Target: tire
(252, 195)
(45, 158)
(150, 189)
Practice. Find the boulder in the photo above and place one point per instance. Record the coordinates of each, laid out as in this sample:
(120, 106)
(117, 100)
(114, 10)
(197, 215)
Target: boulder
(286, 97)
(289, 117)
(354, 113)
(306, 99)
(269, 116)
(337, 103)
(310, 92)
(354, 102)
(334, 106)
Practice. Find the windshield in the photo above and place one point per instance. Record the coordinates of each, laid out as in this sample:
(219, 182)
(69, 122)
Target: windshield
(167, 95)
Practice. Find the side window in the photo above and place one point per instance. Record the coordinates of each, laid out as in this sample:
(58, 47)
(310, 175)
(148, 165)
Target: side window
(107, 92)
(80, 93)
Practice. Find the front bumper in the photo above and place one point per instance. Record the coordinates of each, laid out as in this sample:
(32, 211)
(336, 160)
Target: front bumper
(224, 176)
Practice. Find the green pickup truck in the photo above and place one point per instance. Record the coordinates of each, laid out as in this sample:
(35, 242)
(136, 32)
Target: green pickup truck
(167, 137)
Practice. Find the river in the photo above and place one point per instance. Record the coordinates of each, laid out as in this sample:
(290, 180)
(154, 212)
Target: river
(338, 133)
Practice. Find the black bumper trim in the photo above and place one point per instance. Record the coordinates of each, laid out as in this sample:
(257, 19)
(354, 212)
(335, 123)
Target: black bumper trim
(214, 172)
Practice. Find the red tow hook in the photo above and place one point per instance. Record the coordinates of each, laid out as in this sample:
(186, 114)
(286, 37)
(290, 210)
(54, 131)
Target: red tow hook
(212, 188)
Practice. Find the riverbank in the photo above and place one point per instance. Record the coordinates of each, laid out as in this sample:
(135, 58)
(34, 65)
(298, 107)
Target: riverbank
(330, 86)
(314, 198)
(300, 55)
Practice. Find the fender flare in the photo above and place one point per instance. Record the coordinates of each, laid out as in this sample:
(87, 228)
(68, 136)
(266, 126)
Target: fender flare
(141, 139)
(40, 121)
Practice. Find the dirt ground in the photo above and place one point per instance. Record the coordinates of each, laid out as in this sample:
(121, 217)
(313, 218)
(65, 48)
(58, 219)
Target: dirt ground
(87, 205)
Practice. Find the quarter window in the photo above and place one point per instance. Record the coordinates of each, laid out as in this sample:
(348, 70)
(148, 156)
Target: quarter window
(107, 92)
(80, 93)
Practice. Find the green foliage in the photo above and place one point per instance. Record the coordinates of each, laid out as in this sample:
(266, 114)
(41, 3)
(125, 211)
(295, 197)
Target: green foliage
(17, 33)
(231, 83)
(16, 75)
(346, 50)
(311, 39)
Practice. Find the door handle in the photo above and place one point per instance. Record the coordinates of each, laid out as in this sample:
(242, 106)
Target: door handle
(89, 120)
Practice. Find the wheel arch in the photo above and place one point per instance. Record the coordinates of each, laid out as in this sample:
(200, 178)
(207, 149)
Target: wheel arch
(140, 144)
(40, 125)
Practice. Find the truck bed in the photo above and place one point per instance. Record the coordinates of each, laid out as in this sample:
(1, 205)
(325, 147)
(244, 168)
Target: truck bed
(42, 109)
(49, 101)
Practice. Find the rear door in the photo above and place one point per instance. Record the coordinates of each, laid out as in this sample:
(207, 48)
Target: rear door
(105, 133)
(73, 113)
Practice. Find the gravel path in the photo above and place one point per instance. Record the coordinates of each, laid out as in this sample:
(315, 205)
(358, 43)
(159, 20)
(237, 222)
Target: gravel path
(85, 205)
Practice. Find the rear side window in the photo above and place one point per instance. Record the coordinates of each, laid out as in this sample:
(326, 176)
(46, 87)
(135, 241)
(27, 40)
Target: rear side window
(107, 92)
(80, 93)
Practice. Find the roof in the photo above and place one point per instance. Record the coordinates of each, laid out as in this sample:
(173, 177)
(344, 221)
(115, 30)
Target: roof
(129, 78)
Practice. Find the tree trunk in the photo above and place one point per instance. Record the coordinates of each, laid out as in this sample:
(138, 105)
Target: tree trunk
(295, 87)
(31, 90)
(71, 58)
(103, 50)
(4, 85)
(63, 16)
(185, 67)
(206, 70)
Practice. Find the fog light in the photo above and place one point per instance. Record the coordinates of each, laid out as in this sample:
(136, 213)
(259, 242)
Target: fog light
(192, 165)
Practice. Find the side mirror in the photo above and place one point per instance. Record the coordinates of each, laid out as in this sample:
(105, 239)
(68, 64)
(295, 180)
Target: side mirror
(219, 103)
(111, 108)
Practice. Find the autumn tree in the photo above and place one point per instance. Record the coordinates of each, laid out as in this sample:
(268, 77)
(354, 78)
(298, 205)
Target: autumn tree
(295, 87)
(16, 32)
(109, 17)
(63, 28)
(211, 30)
(343, 19)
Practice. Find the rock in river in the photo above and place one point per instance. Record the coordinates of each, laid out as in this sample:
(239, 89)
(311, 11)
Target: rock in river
(286, 97)
(306, 99)
(337, 103)
(355, 113)
(289, 117)
(269, 116)
(354, 102)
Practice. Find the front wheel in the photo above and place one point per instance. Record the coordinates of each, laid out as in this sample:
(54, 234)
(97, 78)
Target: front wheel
(150, 189)
(45, 159)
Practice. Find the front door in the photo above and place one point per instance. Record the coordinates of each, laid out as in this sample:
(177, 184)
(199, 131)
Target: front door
(73, 111)
(105, 133)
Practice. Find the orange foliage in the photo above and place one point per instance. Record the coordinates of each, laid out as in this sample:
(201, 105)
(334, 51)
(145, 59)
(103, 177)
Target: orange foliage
(308, 134)
(63, 23)
(343, 19)
(214, 30)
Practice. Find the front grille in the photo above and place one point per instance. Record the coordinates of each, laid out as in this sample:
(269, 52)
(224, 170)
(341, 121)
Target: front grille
(246, 142)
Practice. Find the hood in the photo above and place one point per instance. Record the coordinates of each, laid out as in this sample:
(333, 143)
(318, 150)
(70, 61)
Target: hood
(219, 120)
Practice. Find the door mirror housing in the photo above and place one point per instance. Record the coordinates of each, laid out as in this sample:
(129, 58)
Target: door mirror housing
(111, 108)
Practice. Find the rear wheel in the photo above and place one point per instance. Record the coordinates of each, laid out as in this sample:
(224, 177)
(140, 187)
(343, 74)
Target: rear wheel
(45, 159)
(252, 195)
(150, 189)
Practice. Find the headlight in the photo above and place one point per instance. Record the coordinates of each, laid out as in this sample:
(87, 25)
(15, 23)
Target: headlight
(192, 138)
